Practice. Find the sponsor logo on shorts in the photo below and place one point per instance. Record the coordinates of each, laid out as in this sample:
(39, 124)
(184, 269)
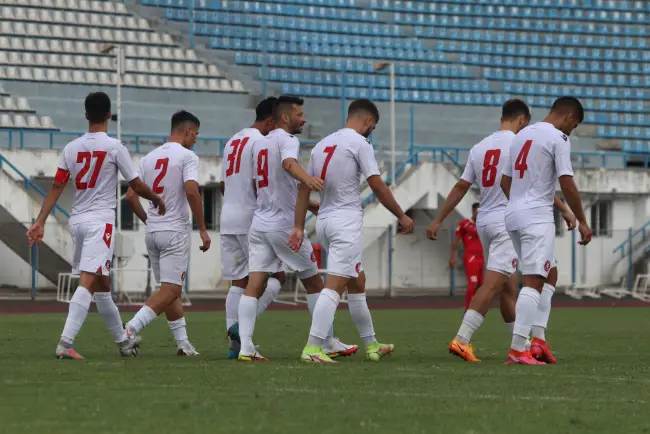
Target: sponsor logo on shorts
(183, 276)
(313, 257)
(473, 279)
(547, 266)
(108, 234)
(108, 265)
(514, 263)
(357, 267)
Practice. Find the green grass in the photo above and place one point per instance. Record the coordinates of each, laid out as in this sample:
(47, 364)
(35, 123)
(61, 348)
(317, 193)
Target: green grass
(599, 386)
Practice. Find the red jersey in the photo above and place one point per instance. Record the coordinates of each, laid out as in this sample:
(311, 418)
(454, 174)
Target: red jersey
(466, 229)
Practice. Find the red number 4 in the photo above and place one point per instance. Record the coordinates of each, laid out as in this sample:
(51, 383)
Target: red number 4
(520, 163)
(234, 158)
(489, 174)
(161, 164)
(263, 168)
(85, 158)
(329, 150)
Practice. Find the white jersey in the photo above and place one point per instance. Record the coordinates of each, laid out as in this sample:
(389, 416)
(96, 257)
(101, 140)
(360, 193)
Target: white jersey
(341, 159)
(92, 161)
(484, 165)
(239, 201)
(276, 189)
(165, 170)
(539, 155)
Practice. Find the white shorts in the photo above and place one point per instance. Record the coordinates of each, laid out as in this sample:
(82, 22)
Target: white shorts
(535, 246)
(93, 247)
(342, 238)
(234, 256)
(169, 253)
(498, 248)
(268, 250)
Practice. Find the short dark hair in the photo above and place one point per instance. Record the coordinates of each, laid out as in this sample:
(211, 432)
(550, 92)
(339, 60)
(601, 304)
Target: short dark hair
(181, 117)
(569, 104)
(513, 108)
(265, 108)
(363, 105)
(284, 103)
(475, 205)
(98, 107)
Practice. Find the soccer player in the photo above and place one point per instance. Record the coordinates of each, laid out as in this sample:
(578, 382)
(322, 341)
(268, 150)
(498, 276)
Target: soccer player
(239, 203)
(473, 253)
(171, 170)
(341, 160)
(539, 155)
(277, 172)
(92, 161)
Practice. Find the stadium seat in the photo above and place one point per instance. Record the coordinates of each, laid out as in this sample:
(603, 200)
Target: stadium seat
(6, 121)
(19, 121)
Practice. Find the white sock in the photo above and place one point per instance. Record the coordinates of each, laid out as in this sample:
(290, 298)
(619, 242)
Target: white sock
(178, 330)
(525, 311)
(361, 317)
(232, 305)
(543, 312)
(311, 303)
(142, 319)
(247, 317)
(111, 315)
(77, 312)
(471, 322)
(273, 286)
(323, 316)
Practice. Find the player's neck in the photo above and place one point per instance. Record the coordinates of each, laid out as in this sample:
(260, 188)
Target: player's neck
(509, 126)
(98, 128)
(285, 128)
(176, 139)
(259, 126)
(553, 120)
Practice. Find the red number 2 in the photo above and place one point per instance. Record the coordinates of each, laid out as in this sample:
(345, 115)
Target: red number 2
(489, 174)
(85, 158)
(520, 163)
(329, 150)
(161, 164)
(263, 168)
(234, 158)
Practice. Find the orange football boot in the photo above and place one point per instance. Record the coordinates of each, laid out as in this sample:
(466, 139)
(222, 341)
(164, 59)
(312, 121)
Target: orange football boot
(521, 358)
(464, 351)
(540, 350)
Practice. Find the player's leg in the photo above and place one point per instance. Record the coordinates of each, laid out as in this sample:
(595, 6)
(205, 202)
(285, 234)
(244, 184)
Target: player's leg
(537, 247)
(176, 320)
(273, 286)
(472, 272)
(234, 268)
(262, 261)
(539, 347)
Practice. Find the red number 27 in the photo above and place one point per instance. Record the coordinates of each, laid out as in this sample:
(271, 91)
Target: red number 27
(521, 163)
(85, 158)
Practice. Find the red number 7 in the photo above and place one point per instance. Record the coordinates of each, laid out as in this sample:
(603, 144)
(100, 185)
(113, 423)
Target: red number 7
(329, 150)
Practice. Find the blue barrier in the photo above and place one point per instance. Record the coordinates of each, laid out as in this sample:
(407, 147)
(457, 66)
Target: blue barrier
(29, 185)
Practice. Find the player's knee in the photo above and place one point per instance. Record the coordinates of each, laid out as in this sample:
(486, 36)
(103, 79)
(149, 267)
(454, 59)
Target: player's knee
(240, 283)
(281, 277)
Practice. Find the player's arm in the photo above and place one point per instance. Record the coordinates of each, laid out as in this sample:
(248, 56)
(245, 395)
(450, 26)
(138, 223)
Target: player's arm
(36, 231)
(313, 207)
(386, 198)
(454, 247)
(193, 195)
(506, 182)
(123, 160)
(222, 187)
(289, 154)
(136, 206)
(302, 205)
(567, 215)
(569, 189)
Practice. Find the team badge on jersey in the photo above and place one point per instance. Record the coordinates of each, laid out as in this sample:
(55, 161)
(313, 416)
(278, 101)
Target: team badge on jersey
(547, 266)
(108, 265)
(357, 267)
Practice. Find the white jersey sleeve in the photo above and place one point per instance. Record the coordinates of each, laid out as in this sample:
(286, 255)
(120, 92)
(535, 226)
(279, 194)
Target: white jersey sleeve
(469, 174)
(124, 164)
(289, 148)
(367, 161)
(191, 168)
(563, 158)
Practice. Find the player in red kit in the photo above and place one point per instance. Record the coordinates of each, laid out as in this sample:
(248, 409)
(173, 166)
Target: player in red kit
(473, 254)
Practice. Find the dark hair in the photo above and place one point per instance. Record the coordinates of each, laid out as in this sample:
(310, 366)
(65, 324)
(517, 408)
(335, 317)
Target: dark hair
(265, 108)
(475, 205)
(284, 103)
(181, 117)
(362, 106)
(569, 104)
(98, 107)
(513, 108)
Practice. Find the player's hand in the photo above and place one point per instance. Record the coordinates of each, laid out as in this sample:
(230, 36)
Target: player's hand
(315, 183)
(295, 239)
(432, 230)
(35, 233)
(406, 224)
(570, 220)
(585, 234)
(159, 203)
(452, 263)
(205, 238)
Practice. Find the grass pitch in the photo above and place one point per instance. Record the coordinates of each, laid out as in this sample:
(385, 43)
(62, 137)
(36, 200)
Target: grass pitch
(600, 384)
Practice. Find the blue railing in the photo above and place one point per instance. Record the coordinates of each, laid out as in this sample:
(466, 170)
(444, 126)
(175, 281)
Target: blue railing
(30, 185)
(642, 231)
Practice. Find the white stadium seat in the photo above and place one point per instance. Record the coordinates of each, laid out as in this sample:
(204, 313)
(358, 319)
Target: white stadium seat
(83, 47)
(44, 31)
(179, 54)
(213, 71)
(120, 8)
(141, 80)
(44, 45)
(40, 59)
(60, 4)
(6, 28)
(23, 104)
(30, 45)
(143, 24)
(92, 62)
(190, 83)
(91, 77)
(154, 52)
(142, 66)
(10, 104)
(28, 59)
(166, 68)
(143, 37)
(11, 72)
(19, 28)
(154, 81)
(33, 15)
(107, 62)
(167, 39)
(53, 60)
(190, 68)
(166, 53)
(155, 65)
(53, 75)
(47, 3)
(143, 52)
(82, 32)
(15, 58)
(107, 20)
(130, 51)
(237, 86)
(46, 122)
(46, 16)
(131, 23)
(201, 69)
(178, 68)
(82, 17)
(107, 35)
(80, 62)
(213, 84)
(3, 58)
(225, 85)
(108, 8)
(4, 42)
(165, 82)
(178, 83)
(104, 78)
(191, 55)
(57, 31)
(17, 44)
(56, 45)
(117, 20)
(72, 4)
(33, 29)
(155, 38)
(119, 35)
(19, 121)
(7, 13)
(97, 7)
(20, 14)
(95, 34)
(65, 76)
(131, 36)
(5, 121)
(201, 84)
(78, 76)
(32, 122)
(128, 80)
(70, 32)
(70, 17)
(67, 60)
(68, 47)
(57, 16)
(130, 65)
